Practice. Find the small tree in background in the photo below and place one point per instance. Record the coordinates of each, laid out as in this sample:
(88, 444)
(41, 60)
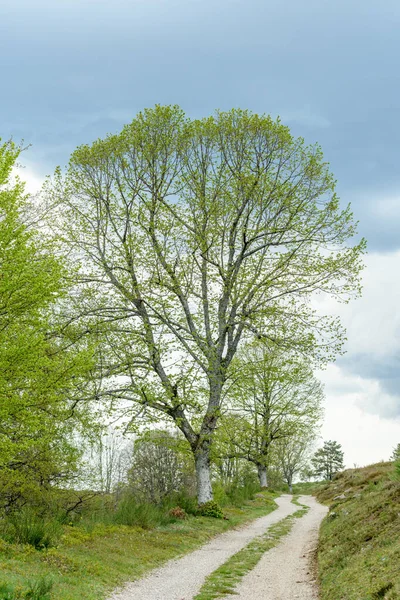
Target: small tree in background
(160, 467)
(396, 453)
(328, 460)
(396, 458)
(275, 397)
(292, 455)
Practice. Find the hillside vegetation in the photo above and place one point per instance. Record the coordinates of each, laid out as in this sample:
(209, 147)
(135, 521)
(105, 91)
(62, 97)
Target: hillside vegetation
(359, 551)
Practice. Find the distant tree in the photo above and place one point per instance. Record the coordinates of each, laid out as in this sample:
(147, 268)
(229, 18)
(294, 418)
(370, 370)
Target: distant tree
(108, 458)
(275, 397)
(328, 460)
(396, 453)
(292, 455)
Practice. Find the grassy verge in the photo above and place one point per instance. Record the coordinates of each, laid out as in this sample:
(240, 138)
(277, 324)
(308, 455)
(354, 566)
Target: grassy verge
(359, 549)
(87, 564)
(223, 581)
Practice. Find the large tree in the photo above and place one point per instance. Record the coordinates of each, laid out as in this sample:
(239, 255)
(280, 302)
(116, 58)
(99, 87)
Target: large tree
(37, 374)
(275, 398)
(192, 235)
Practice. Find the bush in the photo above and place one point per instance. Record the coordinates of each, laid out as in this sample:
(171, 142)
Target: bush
(220, 494)
(26, 527)
(239, 494)
(187, 502)
(177, 513)
(147, 516)
(210, 509)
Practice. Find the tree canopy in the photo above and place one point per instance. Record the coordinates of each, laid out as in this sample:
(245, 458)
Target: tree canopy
(36, 373)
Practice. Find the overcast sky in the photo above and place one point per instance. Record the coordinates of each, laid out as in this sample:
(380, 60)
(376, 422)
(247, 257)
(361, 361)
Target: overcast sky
(74, 70)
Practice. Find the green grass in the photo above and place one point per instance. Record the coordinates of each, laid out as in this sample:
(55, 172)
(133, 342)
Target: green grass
(38, 590)
(224, 580)
(359, 549)
(89, 562)
(307, 488)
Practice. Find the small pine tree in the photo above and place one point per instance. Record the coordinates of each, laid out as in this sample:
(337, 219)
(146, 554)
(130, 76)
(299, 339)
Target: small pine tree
(396, 453)
(328, 460)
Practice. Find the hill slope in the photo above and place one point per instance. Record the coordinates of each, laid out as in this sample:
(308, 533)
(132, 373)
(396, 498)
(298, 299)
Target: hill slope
(359, 550)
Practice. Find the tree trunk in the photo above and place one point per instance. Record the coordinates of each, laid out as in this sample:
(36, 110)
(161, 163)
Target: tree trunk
(203, 476)
(262, 475)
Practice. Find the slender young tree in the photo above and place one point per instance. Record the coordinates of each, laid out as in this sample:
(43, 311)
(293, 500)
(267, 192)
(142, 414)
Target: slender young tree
(276, 398)
(291, 454)
(192, 235)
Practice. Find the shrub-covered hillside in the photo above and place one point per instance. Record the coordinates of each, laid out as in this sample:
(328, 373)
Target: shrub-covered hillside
(359, 552)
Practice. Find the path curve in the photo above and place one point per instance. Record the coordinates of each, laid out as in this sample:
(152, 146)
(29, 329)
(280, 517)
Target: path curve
(182, 578)
(285, 572)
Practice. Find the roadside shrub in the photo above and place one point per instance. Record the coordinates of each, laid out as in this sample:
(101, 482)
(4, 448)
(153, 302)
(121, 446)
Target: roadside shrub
(161, 467)
(220, 494)
(177, 513)
(147, 516)
(26, 527)
(239, 494)
(187, 502)
(210, 509)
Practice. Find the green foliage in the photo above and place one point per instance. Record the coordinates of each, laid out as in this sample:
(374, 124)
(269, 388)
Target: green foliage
(209, 228)
(37, 374)
(25, 527)
(328, 460)
(38, 590)
(147, 516)
(186, 501)
(396, 453)
(210, 509)
(278, 407)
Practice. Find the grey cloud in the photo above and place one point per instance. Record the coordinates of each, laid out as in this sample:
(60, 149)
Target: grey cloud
(386, 370)
(330, 67)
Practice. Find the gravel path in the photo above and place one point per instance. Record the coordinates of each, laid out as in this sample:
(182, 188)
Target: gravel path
(182, 578)
(285, 572)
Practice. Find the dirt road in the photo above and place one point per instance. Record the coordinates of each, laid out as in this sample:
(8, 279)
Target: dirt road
(285, 572)
(182, 578)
